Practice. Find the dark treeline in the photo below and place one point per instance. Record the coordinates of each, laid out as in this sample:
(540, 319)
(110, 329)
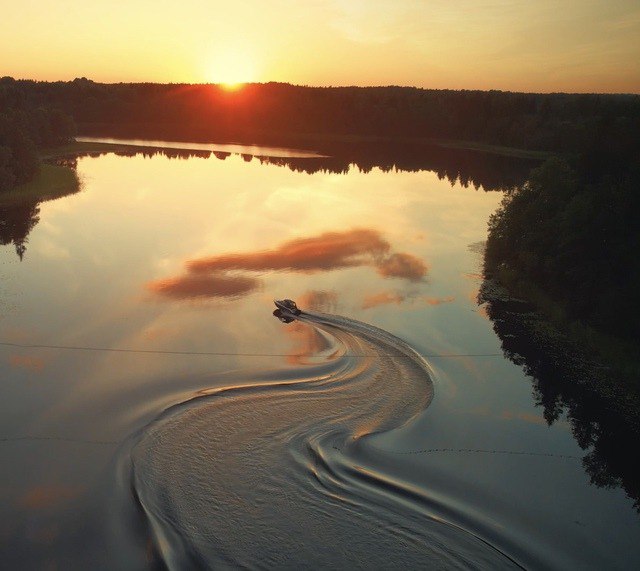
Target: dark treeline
(576, 238)
(572, 231)
(28, 122)
(262, 112)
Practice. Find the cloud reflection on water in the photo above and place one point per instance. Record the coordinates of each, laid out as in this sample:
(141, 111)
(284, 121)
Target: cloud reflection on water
(390, 297)
(382, 298)
(306, 341)
(401, 265)
(47, 495)
(197, 286)
(28, 362)
(221, 276)
(316, 300)
(325, 252)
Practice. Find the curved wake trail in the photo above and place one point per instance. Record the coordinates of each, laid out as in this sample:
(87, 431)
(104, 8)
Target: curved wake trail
(266, 475)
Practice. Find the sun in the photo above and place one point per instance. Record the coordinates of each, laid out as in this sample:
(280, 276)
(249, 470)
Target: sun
(232, 69)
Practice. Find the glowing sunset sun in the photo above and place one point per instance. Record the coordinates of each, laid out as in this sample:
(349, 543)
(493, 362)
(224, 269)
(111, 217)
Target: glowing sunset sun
(232, 68)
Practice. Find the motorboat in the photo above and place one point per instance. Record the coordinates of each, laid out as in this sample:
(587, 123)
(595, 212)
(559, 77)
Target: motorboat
(287, 306)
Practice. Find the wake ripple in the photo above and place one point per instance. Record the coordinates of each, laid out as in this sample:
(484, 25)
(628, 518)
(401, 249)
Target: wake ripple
(269, 475)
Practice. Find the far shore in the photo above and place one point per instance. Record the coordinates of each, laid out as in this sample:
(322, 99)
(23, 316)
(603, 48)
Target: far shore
(78, 147)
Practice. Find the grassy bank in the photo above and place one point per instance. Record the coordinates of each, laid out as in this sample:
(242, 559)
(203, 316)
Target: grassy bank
(54, 181)
(50, 182)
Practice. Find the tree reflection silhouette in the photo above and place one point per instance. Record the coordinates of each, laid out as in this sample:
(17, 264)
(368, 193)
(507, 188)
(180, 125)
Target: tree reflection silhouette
(19, 215)
(458, 166)
(566, 381)
(16, 221)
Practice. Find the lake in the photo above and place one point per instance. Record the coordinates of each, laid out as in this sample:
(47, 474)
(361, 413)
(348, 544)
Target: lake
(155, 412)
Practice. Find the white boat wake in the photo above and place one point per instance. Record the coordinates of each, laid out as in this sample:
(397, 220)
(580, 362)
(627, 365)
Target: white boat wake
(273, 474)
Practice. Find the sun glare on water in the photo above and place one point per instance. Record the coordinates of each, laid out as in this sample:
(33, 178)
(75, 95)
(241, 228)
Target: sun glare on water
(232, 69)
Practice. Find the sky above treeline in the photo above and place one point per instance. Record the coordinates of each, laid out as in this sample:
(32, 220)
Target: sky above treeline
(515, 45)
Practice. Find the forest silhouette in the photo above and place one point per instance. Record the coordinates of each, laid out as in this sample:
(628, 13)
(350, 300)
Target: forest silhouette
(577, 238)
(552, 122)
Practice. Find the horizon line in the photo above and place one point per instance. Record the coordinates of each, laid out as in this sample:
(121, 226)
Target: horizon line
(240, 84)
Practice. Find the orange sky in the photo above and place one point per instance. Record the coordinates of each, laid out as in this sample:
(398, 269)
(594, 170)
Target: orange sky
(520, 45)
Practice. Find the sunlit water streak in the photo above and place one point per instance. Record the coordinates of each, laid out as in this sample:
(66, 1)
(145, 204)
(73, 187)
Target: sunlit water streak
(274, 474)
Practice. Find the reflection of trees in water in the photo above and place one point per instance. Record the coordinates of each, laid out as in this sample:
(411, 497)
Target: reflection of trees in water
(19, 216)
(567, 381)
(146, 152)
(468, 168)
(16, 221)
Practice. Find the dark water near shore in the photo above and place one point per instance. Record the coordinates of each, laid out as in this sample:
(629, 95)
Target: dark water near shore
(155, 412)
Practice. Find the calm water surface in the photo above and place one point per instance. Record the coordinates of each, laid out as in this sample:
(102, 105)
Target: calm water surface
(165, 416)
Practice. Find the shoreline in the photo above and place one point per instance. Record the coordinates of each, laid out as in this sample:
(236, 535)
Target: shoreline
(288, 140)
(607, 363)
(49, 183)
(87, 147)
